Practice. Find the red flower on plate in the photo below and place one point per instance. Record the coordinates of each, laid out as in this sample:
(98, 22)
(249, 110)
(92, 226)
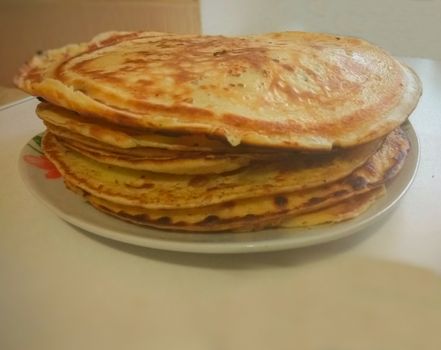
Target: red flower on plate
(43, 163)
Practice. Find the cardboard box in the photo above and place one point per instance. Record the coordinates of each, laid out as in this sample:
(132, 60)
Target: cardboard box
(32, 25)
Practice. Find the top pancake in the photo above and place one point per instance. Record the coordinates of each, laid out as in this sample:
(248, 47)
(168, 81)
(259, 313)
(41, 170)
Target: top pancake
(305, 91)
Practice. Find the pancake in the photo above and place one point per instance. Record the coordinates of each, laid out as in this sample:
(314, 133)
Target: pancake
(296, 90)
(160, 160)
(341, 200)
(238, 215)
(258, 212)
(177, 154)
(154, 191)
(344, 210)
(74, 125)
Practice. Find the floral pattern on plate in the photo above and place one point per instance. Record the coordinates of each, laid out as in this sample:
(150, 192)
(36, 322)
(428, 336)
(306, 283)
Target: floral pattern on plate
(41, 161)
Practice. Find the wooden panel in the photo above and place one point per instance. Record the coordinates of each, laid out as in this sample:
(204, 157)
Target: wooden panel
(29, 26)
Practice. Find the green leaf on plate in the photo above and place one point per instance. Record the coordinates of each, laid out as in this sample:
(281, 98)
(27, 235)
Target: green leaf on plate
(37, 140)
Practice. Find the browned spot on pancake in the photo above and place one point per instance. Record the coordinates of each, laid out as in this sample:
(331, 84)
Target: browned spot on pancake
(188, 100)
(370, 168)
(340, 193)
(123, 214)
(280, 201)
(34, 74)
(229, 204)
(357, 182)
(399, 158)
(250, 217)
(164, 220)
(198, 180)
(211, 219)
(287, 67)
(144, 82)
(218, 53)
(137, 217)
(316, 200)
(141, 61)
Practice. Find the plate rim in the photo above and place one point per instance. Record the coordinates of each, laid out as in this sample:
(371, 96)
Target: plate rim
(285, 239)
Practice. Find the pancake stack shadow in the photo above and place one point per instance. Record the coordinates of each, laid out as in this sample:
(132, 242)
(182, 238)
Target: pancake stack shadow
(213, 134)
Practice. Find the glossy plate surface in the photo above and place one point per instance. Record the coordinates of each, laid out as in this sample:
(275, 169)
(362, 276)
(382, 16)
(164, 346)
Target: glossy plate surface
(44, 181)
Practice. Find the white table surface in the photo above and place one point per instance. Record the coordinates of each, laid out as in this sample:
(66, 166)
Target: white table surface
(64, 288)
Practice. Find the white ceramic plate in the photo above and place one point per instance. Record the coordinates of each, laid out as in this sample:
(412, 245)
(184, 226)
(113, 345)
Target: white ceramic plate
(45, 183)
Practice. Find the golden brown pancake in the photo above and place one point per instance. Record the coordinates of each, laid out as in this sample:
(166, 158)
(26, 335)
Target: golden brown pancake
(152, 190)
(303, 91)
(257, 212)
(177, 154)
(161, 160)
(344, 210)
(70, 124)
(304, 209)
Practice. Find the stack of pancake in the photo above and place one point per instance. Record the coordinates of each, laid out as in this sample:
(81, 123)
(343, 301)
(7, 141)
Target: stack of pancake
(211, 133)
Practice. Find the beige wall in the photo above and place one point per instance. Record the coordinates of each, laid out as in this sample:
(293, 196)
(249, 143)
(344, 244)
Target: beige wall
(404, 27)
(27, 26)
